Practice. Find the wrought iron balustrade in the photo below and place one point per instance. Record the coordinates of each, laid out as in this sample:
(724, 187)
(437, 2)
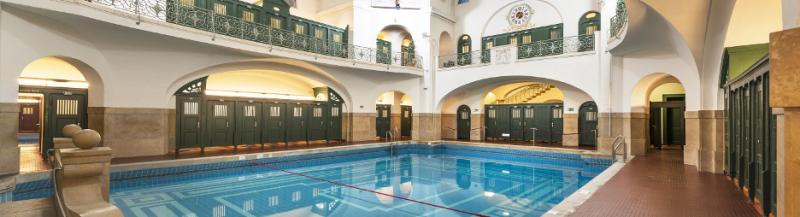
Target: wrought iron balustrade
(619, 20)
(552, 47)
(173, 11)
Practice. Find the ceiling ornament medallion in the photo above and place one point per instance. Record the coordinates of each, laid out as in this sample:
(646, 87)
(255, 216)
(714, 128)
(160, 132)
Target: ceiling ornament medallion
(519, 17)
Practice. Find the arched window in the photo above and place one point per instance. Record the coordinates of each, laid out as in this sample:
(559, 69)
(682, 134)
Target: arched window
(589, 23)
(464, 44)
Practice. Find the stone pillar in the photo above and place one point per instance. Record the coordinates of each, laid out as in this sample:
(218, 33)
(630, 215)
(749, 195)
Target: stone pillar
(449, 126)
(691, 137)
(609, 126)
(784, 80)
(639, 134)
(571, 135)
(476, 123)
(132, 132)
(363, 127)
(711, 149)
(426, 127)
(9, 149)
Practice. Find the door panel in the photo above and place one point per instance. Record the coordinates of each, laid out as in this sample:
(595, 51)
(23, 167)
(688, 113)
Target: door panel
(655, 126)
(274, 129)
(61, 110)
(248, 126)
(463, 122)
(530, 117)
(490, 122)
(543, 122)
(189, 119)
(516, 122)
(383, 120)
(29, 117)
(220, 123)
(334, 131)
(297, 122)
(502, 122)
(557, 123)
(405, 121)
(587, 122)
(316, 121)
(384, 53)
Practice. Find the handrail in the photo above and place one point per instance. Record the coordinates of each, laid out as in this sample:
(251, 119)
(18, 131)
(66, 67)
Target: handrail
(543, 48)
(619, 141)
(57, 166)
(619, 20)
(175, 12)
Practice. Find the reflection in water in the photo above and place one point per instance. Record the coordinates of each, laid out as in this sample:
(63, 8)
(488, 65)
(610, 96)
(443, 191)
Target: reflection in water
(463, 173)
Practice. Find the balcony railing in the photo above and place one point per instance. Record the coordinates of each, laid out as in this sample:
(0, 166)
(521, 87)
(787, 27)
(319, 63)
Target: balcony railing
(172, 11)
(510, 53)
(619, 20)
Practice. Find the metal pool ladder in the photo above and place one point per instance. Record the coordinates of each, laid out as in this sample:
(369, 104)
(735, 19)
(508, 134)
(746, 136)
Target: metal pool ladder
(390, 139)
(619, 141)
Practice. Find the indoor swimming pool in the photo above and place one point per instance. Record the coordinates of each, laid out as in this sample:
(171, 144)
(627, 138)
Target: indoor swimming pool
(406, 180)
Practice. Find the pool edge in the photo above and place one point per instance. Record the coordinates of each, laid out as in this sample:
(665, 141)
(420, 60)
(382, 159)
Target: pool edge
(569, 204)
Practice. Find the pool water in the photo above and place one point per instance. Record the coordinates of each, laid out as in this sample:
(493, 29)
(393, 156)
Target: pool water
(410, 180)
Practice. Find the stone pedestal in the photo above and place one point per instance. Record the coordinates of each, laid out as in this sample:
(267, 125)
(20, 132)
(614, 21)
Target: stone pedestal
(9, 150)
(571, 135)
(363, 127)
(609, 126)
(709, 136)
(784, 81)
(83, 183)
(449, 126)
(476, 132)
(639, 133)
(132, 132)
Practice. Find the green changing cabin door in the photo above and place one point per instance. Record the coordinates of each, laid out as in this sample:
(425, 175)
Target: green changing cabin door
(557, 123)
(543, 122)
(62, 109)
(463, 122)
(383, 120)
(334, 131)
(529, 116)
(316, 121)
(189, 122)
(516, 126)
(405, 121)
(384, 52)
(587, 124)
(296, 122)
(503, 123)
(274, 127)
(490, 122)
(248, 128)
(219, 127)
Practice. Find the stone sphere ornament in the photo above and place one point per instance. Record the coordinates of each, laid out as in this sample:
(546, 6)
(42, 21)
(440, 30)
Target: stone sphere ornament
(86, 139)
(70, 130)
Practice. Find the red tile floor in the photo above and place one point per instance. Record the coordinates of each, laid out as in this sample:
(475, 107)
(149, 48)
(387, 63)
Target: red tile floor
(659, 184)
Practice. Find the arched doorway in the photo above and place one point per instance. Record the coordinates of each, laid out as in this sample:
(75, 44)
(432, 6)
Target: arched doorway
(393, 116)
(524, 111)
(53, 92)
(666, 115)
(256, 107)
(588, 24)
(463, 125)
(587, 124)
(464, 50)
(388, 38)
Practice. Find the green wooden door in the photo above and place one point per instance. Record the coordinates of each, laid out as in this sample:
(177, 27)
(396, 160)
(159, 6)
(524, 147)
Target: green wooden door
(543, 122)
(296, 125)
(503, 122)
(62, 109)
(248, 126)
(516, 125)
(656, 138)
(674, 125)
(530, 121)
(490, 122)
(334, 131)
(557, 123)
(274, 129)
(463, 122)
(188, 121)
(405, 121)
(316, 121)
(383, 120)
(384, 52)
(220, 123)
(759, 138)
(408, 55)
(587, 124)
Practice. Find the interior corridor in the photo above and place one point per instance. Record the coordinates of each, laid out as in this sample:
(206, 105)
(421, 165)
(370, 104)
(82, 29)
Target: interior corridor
(659, 184)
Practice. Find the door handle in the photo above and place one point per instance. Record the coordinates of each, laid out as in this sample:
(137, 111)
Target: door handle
(256, 124)
(198, 124)
(227, 124)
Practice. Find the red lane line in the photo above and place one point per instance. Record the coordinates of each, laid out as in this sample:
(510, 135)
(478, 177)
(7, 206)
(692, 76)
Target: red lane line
(363, 189)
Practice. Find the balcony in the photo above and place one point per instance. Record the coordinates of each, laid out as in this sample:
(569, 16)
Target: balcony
(173, 12)
(513, 53)
(618, 21)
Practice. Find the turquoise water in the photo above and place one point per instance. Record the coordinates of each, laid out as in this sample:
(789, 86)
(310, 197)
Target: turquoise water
(416, 180)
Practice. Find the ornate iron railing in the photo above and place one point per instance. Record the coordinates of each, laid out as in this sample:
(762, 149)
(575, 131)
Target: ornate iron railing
(173, 11)
(552, 47)
(619, 20)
